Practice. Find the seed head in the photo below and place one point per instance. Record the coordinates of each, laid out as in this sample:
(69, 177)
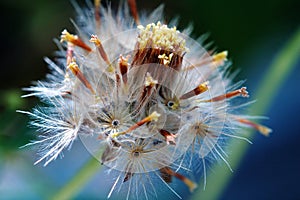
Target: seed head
(154, 100)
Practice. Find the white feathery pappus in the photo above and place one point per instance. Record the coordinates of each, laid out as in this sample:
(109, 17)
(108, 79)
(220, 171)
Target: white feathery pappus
(157, 103)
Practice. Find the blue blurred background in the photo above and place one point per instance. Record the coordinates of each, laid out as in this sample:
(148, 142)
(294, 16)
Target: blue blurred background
(254, 32)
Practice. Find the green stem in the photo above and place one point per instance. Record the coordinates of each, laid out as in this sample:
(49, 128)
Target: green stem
(75, 185)
(279, 70)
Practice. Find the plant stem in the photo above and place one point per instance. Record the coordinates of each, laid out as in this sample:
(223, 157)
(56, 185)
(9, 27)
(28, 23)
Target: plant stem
(279, 70)
(75, 185)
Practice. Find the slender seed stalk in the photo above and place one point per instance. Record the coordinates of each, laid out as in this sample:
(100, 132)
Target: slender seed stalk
(75, 185)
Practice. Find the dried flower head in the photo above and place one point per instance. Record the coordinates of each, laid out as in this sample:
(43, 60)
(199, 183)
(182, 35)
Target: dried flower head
(153, 101)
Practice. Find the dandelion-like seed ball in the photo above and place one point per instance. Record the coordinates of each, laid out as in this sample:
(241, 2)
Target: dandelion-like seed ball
(149, 102)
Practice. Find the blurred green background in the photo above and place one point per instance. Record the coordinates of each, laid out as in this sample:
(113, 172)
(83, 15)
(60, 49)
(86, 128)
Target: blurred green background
(252, 31)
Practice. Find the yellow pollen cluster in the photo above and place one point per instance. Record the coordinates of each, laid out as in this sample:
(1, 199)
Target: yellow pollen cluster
(161, 37)
(166, 59)
(149, 81)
